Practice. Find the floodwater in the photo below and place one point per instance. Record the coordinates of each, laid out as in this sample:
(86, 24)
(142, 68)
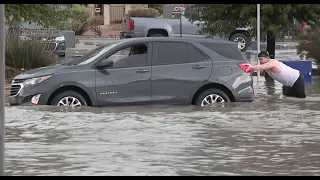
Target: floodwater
(270, 136)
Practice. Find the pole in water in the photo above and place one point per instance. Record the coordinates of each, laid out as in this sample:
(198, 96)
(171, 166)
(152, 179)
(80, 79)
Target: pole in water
(182, 9)
(180, 25)
(2, 84)
(258, 38)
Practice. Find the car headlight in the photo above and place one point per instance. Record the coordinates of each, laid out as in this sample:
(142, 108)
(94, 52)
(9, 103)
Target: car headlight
(60, 38)
(37, 80)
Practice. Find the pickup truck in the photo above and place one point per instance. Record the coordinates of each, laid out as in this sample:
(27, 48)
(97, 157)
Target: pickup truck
(161, 27)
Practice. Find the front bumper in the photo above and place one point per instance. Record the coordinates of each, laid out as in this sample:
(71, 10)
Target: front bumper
(57, 47)
(19, 100)
(20, 95)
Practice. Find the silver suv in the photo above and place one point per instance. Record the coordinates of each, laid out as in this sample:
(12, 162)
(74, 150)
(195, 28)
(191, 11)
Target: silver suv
(150, 70)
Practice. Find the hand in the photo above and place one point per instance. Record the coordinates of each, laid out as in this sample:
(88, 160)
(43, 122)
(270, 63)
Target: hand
(256, 68)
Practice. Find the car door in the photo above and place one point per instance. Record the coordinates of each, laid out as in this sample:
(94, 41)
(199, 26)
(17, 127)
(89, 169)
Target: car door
(129, 80)
(178, 68)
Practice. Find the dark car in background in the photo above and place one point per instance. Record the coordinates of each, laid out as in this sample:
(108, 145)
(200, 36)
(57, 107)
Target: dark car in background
(154, 70)
(56, 39)
(57, 43)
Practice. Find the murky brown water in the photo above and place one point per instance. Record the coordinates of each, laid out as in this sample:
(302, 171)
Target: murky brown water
(270, 136)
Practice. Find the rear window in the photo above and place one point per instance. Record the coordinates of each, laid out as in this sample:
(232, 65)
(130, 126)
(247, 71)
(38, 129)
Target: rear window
(226, 50)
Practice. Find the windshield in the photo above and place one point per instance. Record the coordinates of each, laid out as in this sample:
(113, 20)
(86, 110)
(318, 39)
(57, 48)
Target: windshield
(93, 54)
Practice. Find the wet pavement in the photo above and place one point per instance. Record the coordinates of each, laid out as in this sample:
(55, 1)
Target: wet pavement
(270, 136)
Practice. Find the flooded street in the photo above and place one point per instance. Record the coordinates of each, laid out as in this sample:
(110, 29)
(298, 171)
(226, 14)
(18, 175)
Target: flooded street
(270, 136)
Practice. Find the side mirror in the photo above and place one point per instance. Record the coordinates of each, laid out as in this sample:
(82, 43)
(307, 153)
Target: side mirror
(105, 64)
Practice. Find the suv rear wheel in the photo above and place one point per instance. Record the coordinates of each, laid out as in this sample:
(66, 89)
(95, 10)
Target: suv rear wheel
(69, 99)
(212, 96)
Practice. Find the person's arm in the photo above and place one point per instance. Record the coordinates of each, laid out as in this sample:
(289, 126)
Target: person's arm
(265, 66)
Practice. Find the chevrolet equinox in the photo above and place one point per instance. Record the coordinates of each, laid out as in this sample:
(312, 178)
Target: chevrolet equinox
(149, 70)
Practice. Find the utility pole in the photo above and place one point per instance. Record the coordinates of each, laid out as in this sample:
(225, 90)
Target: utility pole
(182, 10)
(2, 86)
(258, 37)
(180, 25)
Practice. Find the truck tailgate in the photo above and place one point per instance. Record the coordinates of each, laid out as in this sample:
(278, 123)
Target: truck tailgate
(125, 24)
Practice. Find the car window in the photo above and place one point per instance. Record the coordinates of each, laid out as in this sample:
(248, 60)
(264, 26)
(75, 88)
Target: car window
(194, 55)
(94, 54)
(133, 56)
(167, 53)
(225, 50)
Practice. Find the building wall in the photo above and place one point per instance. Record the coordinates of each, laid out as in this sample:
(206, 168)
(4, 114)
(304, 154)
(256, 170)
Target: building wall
(139, 6)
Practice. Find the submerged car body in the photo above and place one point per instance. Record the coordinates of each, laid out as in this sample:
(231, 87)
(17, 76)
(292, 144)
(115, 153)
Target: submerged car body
(150, 70)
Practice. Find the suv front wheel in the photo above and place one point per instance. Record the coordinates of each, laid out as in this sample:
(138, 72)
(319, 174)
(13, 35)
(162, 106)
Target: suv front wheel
(212, 96)
(69, 99)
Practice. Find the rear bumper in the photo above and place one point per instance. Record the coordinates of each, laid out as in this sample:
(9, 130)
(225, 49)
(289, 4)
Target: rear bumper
(124, 35)
(245, 95)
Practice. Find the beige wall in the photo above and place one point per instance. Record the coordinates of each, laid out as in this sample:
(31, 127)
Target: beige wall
(106, 11)
(139, 6)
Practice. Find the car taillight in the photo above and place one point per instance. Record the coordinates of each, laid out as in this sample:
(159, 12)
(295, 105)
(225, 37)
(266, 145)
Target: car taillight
(246, 67)
(131, 25)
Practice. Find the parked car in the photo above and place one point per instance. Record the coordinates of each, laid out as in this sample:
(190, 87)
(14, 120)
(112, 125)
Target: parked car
(55, 39)
(196, 71)
(57, 44)
(167, 27)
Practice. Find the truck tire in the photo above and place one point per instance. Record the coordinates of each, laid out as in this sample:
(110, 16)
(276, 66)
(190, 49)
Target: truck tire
(242, 40)
(62, 54)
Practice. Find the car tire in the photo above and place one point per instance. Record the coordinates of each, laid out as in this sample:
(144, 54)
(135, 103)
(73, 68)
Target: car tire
(241, 37)
(219, 93)
(62, 54)
(69, 94)
(156, 35)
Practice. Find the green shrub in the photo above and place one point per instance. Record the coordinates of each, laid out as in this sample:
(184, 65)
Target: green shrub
(80, 27)
(144, 12)
(158, 7)
(310, 46)
(79, 16)
(27, 54)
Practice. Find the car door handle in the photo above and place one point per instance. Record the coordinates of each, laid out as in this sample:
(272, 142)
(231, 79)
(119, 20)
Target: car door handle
(197, 67)
(142, 71)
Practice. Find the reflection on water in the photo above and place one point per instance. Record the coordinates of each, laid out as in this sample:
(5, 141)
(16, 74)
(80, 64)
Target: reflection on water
(270, 136)
(270, 87)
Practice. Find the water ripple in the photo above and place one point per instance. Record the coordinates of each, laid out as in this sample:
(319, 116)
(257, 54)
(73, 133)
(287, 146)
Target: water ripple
(270, 136)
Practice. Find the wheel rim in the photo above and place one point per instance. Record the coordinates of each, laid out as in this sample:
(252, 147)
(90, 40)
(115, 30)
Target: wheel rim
(69, 101)
(241, 42)
(211, 99)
